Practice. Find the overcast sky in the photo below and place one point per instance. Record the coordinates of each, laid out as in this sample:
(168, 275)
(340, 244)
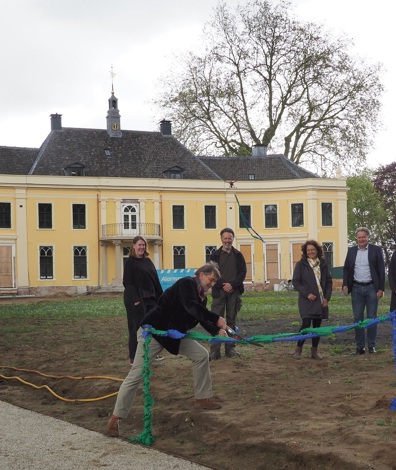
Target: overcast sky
(56, 57)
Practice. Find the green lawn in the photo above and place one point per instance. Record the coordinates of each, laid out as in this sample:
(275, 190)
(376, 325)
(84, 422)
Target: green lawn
(256, 306)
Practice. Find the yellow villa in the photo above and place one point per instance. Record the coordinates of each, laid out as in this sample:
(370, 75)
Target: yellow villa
(69, 210)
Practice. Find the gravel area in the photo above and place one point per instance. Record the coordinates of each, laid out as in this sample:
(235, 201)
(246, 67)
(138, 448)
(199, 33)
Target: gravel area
(31, 441)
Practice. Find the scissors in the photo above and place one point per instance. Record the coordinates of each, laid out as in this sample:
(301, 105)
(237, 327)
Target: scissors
(236, 335)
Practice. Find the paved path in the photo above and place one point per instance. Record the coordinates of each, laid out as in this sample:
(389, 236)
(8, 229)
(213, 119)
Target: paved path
(31, 441)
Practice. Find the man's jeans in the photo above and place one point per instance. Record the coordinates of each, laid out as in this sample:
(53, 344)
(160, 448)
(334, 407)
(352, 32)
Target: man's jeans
(364, 297)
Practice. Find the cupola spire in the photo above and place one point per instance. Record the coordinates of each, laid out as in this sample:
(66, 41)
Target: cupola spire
(113, 114)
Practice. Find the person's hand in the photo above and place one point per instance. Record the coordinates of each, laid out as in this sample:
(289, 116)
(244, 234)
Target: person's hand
(312, 297)
(325, 303)
(221, 323)
(222, 332)
(380, 294)
(345, 290)
(228, 287)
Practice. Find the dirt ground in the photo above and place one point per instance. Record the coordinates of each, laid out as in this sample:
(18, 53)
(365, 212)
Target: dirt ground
(278, 413)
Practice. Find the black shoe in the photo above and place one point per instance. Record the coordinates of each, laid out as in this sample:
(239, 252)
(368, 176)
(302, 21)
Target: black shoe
(213, 355)
(359, 351)
(372, 350)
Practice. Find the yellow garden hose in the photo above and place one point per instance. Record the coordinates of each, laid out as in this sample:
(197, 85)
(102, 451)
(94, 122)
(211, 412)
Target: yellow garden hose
(39, 387)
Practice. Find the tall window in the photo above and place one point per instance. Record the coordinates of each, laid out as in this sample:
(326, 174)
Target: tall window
(45, 215)
(179, 257)
(80, 262)
(271, 216)
(5, 215)
(327, 214)
(208, 251)
(125, 253)
(178, 217)
(328, 253)
(210, 216)
(130, 217)
(297, 215)
(245, 218)
(46, 262)
(79, 216)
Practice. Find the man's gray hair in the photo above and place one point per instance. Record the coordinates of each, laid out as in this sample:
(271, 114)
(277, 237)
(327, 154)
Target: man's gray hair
(209, 268)
(362, 229)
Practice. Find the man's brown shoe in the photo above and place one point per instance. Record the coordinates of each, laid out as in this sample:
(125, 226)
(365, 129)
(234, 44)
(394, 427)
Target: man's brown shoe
(207, 404)
(113, 426)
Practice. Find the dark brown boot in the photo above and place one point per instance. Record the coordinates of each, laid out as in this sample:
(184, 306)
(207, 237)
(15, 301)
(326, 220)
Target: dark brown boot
(207, 404)
(113, 426)
(297, 352)
(314, 353)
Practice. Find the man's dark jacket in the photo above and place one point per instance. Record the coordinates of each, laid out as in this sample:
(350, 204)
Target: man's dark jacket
(392, 281)
(180, 308)
(240, 264)
(376, 263)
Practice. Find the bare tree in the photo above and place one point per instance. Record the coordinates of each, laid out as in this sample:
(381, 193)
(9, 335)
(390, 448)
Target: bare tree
(266, 78)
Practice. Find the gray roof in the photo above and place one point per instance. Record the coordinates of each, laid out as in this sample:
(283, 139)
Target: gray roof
(264, 168)
(138, 154)
(16, 160)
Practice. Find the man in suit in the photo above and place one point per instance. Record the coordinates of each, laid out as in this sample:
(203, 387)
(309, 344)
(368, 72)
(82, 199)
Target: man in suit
(392, 281)
(364, 278)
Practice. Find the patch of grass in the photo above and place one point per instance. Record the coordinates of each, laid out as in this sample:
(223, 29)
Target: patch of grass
(76, 308)
(336, 350)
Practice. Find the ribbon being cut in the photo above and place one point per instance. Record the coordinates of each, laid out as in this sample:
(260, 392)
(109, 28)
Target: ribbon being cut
(146, 436)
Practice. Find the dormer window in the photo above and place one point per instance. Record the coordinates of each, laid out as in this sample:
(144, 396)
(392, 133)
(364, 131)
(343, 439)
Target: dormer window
(75, 169)
(107, 152)
(252, 176)
(176, 172)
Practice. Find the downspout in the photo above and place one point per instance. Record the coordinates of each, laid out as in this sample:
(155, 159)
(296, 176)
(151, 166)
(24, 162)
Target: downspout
(161, 232)
(99, 232)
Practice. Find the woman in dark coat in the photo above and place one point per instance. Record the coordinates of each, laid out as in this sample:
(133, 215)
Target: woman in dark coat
(313, 281)
(142, 290)
(392, 281)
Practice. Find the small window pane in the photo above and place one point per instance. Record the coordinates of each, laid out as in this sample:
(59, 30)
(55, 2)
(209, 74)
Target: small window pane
(271, 216)
(327, 214)
(328, 253)
(45, 215)
(245, 218)
(79, 216)
(80, 262)
(5, 215)
(210, 216)
(179, 257)
(297, 214)
(208, 251)
(178, 217)
(46, 262)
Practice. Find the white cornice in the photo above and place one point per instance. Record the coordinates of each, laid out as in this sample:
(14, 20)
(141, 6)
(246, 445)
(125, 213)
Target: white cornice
(160, 184)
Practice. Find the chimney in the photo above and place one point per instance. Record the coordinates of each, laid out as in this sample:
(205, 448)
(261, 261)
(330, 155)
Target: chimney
(259, 151)
(166, 127)
(56, 122)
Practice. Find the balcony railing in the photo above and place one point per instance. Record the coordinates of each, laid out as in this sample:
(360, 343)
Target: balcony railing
(128, 230)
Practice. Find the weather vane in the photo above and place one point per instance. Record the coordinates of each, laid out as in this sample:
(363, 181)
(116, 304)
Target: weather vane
(112, 74)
